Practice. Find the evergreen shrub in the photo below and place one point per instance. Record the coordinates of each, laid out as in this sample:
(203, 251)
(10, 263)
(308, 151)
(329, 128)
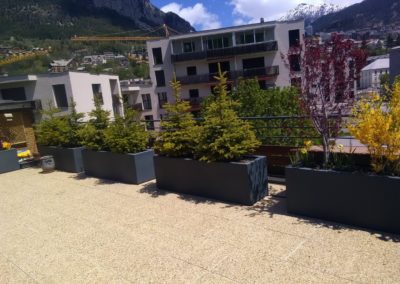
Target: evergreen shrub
(56, 130)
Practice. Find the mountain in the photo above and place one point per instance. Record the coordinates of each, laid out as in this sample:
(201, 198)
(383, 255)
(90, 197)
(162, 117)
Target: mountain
(369, 14)
(310, 12)
(61, 19)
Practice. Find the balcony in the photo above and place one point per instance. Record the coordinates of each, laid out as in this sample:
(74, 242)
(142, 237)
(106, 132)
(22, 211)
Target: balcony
(226, 52)
(195, 103)
(257, 72)
(232, 75)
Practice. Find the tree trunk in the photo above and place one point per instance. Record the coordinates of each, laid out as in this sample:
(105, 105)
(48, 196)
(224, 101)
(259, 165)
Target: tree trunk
(325, 146)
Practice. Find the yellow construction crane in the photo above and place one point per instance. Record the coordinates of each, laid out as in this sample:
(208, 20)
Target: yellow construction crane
(113, 38)
(22, 56)
(124, 38)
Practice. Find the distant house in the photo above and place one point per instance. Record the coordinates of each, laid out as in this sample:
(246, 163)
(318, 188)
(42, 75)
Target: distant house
(94, 59)
(62, 65)
(59, 89)
(371, 74)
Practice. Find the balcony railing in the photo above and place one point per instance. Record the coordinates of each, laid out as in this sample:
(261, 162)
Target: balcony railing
(195, 103)
(257, 72)
(226, 52)
(232, 75)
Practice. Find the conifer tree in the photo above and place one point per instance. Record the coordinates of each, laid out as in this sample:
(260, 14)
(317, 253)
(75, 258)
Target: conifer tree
(126, 135)
(92, 134)
(179, 130)
(224, 136)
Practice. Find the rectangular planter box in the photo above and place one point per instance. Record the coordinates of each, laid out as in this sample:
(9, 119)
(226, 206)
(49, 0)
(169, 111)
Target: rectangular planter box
(128, 168)
(8, 161)
(357, 199)
(237, 182)
(66, 159)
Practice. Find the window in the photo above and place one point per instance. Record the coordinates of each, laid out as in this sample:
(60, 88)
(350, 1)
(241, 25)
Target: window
(259, 36)
(60, 96)
(251, 63)
(157, 56)
(213, 67)
(97, 94)
(146, 99)
(245, 37)
(14, 94)
(294, 38)
(217, 42)
(194, 93)
(160, 78)
(189, 46)
(162, 99)
(191, 70)
(294, 61)
(149, 122)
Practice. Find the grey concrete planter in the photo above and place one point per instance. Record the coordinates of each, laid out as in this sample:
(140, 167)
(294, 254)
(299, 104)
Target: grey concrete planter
(8, 161)
(243, 183)
(66, 159)
(357, 199)
(128, 168)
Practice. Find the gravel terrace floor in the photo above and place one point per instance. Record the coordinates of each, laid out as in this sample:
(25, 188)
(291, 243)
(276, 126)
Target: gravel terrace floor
(62, 228)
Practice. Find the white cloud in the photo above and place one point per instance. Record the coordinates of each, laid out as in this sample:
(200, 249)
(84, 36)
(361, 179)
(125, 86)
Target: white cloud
(252, 10)
(197, 15)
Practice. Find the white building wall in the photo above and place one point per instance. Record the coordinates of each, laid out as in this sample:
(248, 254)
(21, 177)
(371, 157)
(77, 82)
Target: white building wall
(81, 90)
(78, 86)
(273, 58)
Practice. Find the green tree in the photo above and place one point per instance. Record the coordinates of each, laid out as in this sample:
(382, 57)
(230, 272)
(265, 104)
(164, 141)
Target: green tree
(57, 130)
(224, 136)
(179, 130)
(255, 102)
(92, 135)
(125, 134)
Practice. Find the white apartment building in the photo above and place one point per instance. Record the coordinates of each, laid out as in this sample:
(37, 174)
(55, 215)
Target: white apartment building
(248, 51)
(60, 89)
(371, 74)
(137, 93)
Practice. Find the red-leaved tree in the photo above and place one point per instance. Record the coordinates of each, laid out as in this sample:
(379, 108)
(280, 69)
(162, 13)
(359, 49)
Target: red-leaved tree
(326, 75)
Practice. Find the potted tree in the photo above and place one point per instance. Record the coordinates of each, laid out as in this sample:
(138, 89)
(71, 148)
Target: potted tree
(8, 155)
(116, 150)
(57, 136)
(336, 188)
(211, 159)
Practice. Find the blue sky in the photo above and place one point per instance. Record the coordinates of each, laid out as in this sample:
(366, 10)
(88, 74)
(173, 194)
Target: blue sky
(208, 14)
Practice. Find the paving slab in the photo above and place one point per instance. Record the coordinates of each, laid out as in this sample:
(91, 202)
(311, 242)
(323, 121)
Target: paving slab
(68, 228)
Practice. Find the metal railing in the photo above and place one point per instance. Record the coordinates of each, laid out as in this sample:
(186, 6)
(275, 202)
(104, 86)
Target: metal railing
(226, 52)
(231, 75)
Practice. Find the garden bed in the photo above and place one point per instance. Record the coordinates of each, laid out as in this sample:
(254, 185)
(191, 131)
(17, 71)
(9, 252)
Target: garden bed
(8, 161)
(66, 159)
(358, 199)
(128, 168)
(237, 182)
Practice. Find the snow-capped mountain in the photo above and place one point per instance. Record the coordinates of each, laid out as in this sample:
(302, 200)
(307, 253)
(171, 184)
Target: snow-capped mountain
(310, 12)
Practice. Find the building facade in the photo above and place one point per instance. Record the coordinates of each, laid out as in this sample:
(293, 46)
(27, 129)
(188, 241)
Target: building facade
(394, 63)
(371, 74)
(248, 51)
(60, 89)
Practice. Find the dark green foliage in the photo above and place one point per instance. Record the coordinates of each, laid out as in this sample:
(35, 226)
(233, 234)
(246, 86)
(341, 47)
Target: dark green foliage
(58, 19)
(179, 130)
(223, 135)
(92, 135)
(56, 130)
(258, 103)
(126, 135)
